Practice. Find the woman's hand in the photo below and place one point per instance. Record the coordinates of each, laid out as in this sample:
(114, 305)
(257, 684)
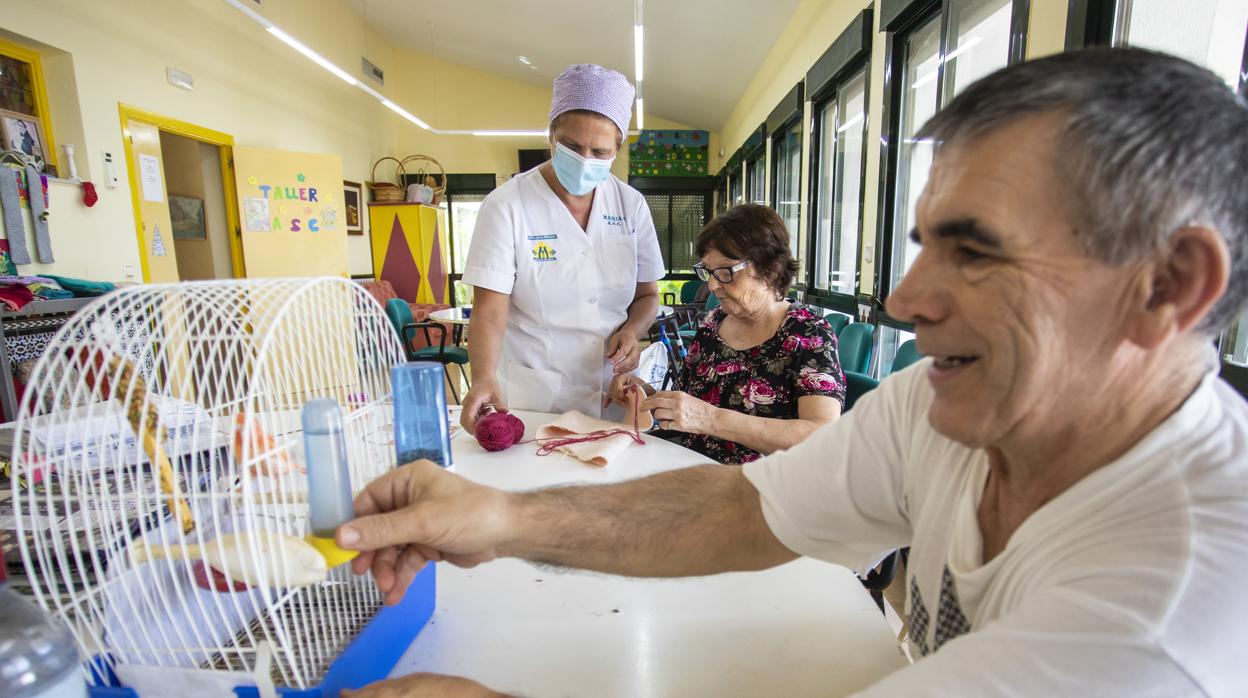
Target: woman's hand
(482, 393)
(417, 685)
(623, 351)
(682, 412)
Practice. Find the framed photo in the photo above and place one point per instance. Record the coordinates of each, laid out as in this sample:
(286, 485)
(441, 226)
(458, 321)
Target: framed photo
(23, 133)
(186, 214)
(353, 203)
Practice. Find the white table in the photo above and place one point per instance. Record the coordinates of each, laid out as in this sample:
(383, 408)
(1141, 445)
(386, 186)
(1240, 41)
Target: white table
(452, 316)
(803, 629)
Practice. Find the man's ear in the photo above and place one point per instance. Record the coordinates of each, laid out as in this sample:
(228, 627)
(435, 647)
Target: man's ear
(1182, 284)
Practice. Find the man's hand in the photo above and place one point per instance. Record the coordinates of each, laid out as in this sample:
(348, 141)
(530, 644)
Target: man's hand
(482, 393)
(420, 513)
(623, 351)
(421, 685)
(681, 411)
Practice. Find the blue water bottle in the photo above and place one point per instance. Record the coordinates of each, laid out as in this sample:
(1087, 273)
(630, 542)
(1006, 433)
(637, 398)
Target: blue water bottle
(420, 420)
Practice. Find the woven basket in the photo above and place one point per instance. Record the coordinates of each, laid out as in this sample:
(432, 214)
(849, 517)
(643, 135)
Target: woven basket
(388, 191)
(427, 179)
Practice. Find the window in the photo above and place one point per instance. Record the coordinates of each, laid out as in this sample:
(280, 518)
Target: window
(755, 178)
(736, 191)
(464, 195)
(680, 207)
(890, 339)
(840, 132)
(27, 125)
(721, 194)
(786, 151)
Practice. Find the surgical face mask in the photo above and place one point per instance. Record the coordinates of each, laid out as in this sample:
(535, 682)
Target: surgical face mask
(577, 174)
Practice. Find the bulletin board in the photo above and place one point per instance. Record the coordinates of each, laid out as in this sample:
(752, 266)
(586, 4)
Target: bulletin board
(291, 213)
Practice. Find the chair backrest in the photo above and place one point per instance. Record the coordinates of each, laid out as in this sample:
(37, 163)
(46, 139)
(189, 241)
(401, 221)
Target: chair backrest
(907, 354)
(689, 291)
(838, 321)
(400, 314)
(854, 346)
(857, 385)
(712, 302)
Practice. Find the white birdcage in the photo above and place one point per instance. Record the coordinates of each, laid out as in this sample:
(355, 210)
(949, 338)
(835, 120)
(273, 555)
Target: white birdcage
(168, 415)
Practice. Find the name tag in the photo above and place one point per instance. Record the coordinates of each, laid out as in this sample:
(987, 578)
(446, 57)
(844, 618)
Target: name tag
(616, 225)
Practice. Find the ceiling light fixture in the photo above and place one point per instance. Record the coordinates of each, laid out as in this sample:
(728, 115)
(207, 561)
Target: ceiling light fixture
(313, 55)
(525, 61)
(405, 114)
(534, 134)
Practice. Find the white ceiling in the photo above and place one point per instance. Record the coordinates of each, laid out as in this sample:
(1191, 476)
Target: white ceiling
(699, 54)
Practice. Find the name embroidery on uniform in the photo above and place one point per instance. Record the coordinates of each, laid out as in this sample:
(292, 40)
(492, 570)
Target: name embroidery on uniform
(543, 252)
(613, 220)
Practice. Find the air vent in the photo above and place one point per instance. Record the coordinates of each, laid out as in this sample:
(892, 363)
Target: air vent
(373, 71)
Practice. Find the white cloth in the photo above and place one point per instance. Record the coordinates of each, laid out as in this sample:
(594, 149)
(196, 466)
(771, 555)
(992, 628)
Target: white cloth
(1129, 583)
(570, 288)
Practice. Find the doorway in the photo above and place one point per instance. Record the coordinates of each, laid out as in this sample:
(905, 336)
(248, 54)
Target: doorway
(181, 183)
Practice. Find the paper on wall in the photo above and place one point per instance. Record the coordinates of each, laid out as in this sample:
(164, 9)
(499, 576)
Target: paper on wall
(149, 175)
(256, 215)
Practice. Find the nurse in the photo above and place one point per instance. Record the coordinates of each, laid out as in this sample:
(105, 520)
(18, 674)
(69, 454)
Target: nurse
(564, 263)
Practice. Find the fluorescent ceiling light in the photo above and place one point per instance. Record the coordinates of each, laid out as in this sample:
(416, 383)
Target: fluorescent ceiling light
(638, 42)
(404, 113)
(316, 57)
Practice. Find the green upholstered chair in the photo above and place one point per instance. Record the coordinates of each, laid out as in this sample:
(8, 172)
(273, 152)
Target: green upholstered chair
(857, 385)
(689, 291)
(854, 346)
(400, 314)
(907, 354)
(838, 321)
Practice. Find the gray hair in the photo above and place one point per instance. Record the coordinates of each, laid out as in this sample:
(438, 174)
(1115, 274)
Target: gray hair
(1150, 143)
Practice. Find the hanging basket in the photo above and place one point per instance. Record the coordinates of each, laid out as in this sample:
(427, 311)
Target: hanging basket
(427, 179)
(388, 192)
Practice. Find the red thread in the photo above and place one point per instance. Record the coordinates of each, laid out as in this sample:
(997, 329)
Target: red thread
(550, 445)
(498, 431)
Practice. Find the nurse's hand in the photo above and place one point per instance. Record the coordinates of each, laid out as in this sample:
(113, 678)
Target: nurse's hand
(416, 685)
(422, 513)
(482, 393)
(617, 392)
(624, 351)
(682, 412)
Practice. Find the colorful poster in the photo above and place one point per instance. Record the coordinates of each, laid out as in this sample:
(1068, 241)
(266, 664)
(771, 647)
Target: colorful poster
(669, 154)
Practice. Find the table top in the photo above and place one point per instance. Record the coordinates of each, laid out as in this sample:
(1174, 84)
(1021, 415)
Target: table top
(453, 316)
(802, 629)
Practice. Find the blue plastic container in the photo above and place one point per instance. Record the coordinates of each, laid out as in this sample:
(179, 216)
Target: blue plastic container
(420, 422)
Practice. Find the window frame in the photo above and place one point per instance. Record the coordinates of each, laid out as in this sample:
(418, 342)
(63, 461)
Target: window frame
(673, 186)
(39, 84)
(754, 155)
(849, 54)
(783, 118)
(898, 20)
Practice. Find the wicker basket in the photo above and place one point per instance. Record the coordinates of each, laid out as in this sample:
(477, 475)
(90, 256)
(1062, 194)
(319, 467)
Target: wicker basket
(388, 192)
(427, 179)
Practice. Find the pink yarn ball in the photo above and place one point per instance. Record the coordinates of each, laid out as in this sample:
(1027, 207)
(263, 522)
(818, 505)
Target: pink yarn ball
(499, 430)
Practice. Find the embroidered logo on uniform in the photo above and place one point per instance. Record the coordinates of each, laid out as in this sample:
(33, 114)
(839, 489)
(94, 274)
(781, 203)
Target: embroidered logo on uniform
(552, 236)
(613, 220)
(543, 252)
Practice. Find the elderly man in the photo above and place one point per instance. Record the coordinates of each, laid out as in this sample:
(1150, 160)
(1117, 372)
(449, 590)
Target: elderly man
(1066, 466)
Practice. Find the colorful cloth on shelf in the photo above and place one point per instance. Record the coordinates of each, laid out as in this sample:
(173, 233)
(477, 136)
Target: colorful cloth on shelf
(82, 287)
(48, 289)
(15, 296)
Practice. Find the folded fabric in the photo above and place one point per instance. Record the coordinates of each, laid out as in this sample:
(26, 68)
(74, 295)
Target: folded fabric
(599, 451)
(82, 287)
(15, 296)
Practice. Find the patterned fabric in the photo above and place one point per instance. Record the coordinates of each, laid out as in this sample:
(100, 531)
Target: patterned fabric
(951, 622)
(594, 88)
(763, 381)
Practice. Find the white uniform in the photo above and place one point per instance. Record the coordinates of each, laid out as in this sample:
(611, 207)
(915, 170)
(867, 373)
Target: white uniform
(570, 288)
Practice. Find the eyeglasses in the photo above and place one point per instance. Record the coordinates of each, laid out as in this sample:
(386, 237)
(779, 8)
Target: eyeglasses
(722, 274)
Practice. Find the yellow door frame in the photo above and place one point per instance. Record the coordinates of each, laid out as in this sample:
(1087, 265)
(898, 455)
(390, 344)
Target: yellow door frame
(225, 146)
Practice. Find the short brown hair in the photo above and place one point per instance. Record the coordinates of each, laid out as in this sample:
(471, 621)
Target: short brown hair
(755, 233)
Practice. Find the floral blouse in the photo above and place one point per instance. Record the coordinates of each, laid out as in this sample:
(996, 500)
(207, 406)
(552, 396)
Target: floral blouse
(762, 381)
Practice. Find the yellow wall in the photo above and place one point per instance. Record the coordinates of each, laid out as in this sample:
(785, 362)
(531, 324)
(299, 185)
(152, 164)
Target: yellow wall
(253, 87)
(814, 26)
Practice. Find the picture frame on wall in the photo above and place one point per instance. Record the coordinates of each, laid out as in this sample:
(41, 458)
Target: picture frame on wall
(353, 205)
(186, 216)
(24, 134)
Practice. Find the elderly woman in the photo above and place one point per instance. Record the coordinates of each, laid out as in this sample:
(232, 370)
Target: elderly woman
(564, 263)
(762, 372)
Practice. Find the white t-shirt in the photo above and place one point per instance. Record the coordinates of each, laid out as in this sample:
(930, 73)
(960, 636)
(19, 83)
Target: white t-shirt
(570, 288)
(1128, 583)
